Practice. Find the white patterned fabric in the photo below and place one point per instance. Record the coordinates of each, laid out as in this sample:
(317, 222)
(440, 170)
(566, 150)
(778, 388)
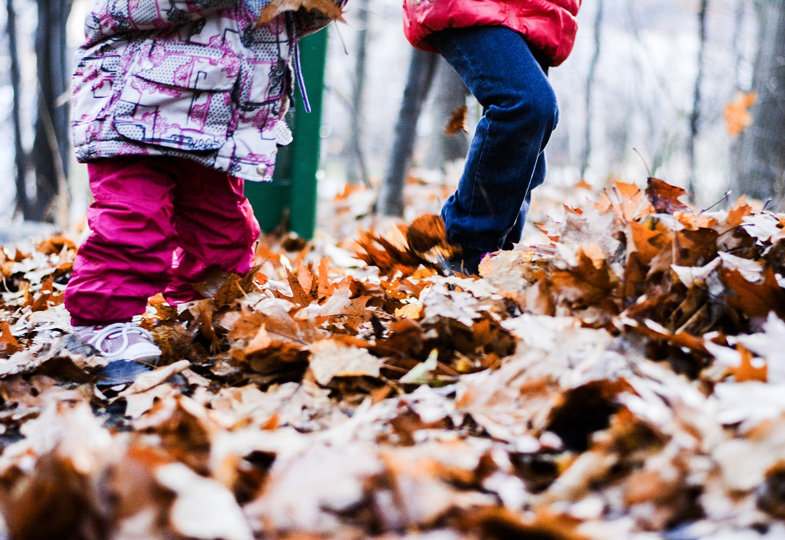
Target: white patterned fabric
(189, 78)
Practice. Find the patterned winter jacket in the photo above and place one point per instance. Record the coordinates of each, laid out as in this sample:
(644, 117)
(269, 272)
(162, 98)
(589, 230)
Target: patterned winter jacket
(190, 78)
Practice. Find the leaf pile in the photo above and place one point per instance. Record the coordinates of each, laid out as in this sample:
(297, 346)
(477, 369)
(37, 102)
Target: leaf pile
(623, 378)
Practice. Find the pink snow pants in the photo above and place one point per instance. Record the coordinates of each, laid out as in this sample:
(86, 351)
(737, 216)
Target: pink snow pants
(158, 225)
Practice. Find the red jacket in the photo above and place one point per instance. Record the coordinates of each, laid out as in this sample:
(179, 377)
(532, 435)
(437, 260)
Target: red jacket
(549, 26)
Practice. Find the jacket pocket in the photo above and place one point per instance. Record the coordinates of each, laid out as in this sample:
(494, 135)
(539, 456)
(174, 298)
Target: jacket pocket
(179, 95)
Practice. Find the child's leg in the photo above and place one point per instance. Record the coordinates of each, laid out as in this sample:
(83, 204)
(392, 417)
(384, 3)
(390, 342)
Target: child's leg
(520, 112)
(215, 228)
(514, 236)
(128, 256)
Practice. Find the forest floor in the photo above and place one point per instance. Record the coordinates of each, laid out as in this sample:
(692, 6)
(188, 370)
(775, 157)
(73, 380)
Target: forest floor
(620, 374)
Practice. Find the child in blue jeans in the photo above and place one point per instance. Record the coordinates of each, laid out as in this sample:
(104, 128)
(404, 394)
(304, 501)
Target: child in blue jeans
(502, 50)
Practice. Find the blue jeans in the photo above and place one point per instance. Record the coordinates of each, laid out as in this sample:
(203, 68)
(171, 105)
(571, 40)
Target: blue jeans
(506, 158)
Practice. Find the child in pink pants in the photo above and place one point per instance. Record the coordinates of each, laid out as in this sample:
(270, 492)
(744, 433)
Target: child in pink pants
(175, 105)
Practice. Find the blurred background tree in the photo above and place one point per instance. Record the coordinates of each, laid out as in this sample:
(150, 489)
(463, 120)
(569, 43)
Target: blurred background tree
(51, 152)
(646, 77)
(41, 172)
(760, 162)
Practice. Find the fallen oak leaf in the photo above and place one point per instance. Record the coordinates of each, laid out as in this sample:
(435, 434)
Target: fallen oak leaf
(299, 295)
(692, 221)
(427, 238)
(694, 247)
(767, 344)
(754, 299)
(223, 288)
(386, 254)
(8, 343)
(324, 287)
(423, 372)
(340, 304)
(589, 282)
(409, 311)
(457, 122)
(46, 297)
(161, 308)
(648, 239)
(276, 315)
(203, 507)
(51, 501)
(151, 379)
(737, 112)
(276, 7)
(750, 269)
(770, 497)
(737, 214)
(330, 359)
(277, 359)
(203, 312)
(655, 331)
(625, 200)
(306, 279)
(499, 522)
(664, 197)
(55, 245)
(583, 184)
(746, 371)
(764, 227)
(426, 232)
(19, 255)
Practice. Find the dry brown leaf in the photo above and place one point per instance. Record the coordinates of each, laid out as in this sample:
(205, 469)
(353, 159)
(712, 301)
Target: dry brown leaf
(409, 311)
(153, 378)
(589, 282)
(665, 197)
(737, 214)
(324, 288)
(755, 299)
(695, 248)
(693, 221)
(737, 112)
(457, 122)
(55, 244)
(590, 421)
(203, 312)
(331, 359)
(203, 508)
(306, 279)
(625, 200)
(648, 239)
(326, 7)
(426, 232)
(341, 304)
(746, 371)
(8, 343)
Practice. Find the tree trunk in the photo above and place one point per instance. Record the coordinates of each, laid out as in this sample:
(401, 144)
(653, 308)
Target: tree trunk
(20, 159)
(50, 148)
(357, 165)
(760, 165)
(738, 25)
(449, 94)
(418, 81)
(590, 87)
(696, 98)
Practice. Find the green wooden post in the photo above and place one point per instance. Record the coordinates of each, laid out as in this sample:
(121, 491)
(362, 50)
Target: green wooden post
(293, 188)
(307, 133)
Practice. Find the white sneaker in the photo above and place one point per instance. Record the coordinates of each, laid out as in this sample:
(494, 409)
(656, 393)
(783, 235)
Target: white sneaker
(121, 341)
